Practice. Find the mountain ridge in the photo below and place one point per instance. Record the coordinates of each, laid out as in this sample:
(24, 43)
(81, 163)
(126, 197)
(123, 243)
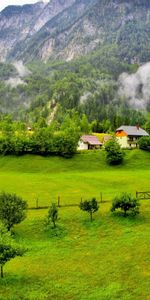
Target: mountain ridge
(67, 29)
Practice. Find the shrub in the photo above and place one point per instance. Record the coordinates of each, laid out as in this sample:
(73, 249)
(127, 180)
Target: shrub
(52, 215)
(126, 203)
(144, 143)
(114, 154)
(8, 248)
(12, 209)
(91, 206)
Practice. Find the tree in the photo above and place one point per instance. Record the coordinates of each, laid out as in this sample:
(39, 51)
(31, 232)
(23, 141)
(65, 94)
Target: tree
(8, 248)
(144, 142)
(84, 124)
(114, 154)
(12, 209)
(147, 124)
(126, 203)
(52, 215)
(91, 206)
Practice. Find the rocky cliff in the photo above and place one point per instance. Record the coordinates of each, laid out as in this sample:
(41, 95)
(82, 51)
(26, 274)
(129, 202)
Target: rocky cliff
(66, 29)
(18, 24)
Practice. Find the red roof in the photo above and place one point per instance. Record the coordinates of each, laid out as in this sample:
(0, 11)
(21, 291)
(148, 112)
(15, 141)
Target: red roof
(106, 138)
(90, 139)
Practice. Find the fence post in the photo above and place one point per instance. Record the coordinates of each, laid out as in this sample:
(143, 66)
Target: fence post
(37, 203)
(101, 197)
(58, 201)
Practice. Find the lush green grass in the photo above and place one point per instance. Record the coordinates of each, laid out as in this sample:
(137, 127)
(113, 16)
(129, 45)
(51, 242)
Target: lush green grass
(83, 176)
(107, 259)
(104, 260)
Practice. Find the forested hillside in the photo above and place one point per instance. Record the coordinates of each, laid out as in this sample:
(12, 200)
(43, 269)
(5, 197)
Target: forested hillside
(86, 57)
(69, 29)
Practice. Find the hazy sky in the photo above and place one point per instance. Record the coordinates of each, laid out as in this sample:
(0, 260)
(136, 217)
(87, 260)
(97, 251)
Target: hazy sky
(4, 3)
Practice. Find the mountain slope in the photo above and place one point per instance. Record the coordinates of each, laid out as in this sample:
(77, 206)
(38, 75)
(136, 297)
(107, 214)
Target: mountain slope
(66, 29)
(19, 23)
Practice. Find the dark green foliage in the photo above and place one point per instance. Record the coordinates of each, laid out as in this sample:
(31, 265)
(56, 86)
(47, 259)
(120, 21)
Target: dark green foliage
(52, 215)
(123, 36)
(147, 124)
(63, 85)
(90, 206)
(43, 140)
(6, 71)
(114, 154)
(126, 203)
(144, 143)
(12, 209)
(8, 248)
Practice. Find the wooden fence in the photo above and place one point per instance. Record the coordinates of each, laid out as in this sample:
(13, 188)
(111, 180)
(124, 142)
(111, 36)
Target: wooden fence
(59, 202)
(143, 195)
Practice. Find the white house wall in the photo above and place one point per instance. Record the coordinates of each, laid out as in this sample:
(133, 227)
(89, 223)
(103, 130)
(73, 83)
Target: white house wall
(126, 143)
(123, 142)
(82, 146)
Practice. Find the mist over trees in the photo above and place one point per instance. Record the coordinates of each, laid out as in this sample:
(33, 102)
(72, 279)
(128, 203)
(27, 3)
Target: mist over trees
(88, 85)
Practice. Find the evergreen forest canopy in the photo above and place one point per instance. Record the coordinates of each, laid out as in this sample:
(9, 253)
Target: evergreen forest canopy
(97, 87)
(54, 91)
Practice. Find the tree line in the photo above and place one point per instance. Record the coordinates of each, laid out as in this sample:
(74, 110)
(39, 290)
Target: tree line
(16, 139)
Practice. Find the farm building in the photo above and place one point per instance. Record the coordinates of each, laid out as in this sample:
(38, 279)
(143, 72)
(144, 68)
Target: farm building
(88, 142)
(128, 136)
(106, 138)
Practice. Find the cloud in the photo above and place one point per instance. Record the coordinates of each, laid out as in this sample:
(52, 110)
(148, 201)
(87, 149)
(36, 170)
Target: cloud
(136, 87)
(21, 69)
(14, 82)
(22, 72)
(85, 97)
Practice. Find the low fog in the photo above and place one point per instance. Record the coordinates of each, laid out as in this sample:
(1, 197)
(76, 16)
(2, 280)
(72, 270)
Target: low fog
(22, 71)
(136, 87)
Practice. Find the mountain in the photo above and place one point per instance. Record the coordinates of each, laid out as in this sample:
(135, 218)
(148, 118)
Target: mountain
(18, 24)
(67, 29)
(76, 56)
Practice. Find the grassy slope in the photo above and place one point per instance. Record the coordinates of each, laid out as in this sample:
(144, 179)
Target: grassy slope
(107, 259)
(84, 176)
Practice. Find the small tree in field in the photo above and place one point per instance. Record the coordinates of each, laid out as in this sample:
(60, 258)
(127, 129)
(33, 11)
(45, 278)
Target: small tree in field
(12, 209)
(8, 248)
(126, 203)
(91, 206)
(114, 153)
(53, 214)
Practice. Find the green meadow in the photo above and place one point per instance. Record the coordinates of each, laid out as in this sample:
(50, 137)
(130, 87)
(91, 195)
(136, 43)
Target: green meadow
(107, 259)
(85, 175)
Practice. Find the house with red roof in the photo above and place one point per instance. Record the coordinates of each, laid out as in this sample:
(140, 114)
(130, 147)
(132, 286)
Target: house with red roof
(88, 142)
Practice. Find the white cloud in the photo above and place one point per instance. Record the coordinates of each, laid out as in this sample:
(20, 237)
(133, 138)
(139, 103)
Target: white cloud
(136, 87)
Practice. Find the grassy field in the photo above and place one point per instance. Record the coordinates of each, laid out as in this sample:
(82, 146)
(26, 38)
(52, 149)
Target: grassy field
(104, 260)
(86, 175)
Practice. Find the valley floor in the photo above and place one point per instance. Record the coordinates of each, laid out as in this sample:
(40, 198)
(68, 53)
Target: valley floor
(80, 260)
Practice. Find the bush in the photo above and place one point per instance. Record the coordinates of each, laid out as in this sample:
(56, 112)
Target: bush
(114, 154)
(91, 206)
(126, 203)
(8, 248)
(42, 142)
(12, 209)
(144, 143)
(52, 215)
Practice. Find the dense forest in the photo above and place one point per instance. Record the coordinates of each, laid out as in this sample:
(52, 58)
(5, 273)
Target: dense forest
(88, 86)
(108, 85)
